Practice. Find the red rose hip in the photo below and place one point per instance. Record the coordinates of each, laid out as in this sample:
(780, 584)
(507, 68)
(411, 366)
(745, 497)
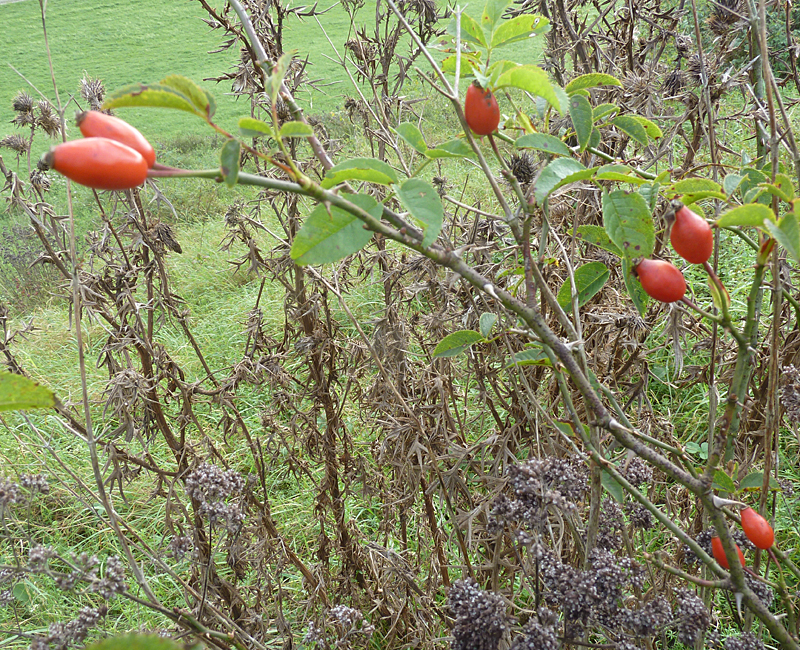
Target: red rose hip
(691, 236)
(661, 280)
(94, 124)
(719, 553)
(481, 110)
(98, 163)
(757, 529)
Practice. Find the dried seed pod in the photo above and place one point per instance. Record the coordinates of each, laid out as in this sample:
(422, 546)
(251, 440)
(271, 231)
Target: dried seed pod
(522, 166)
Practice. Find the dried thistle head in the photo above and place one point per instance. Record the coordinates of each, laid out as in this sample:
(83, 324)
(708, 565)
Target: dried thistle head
(522, 166)
(684, 45)
(361, 50)
(24, 119)
(440, 183)
(15, 143)
(674, 82)
(22, 103)
(40, 181)
(48, 119)
(727, 11)
(93, 91)
(694, 69)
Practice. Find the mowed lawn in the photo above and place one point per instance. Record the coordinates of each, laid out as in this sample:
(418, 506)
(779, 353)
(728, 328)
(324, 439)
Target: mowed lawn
(125, 42)
(122, 42)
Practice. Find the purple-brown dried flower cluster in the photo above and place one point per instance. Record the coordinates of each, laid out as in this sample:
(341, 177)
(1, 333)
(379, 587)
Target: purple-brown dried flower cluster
(210, 487)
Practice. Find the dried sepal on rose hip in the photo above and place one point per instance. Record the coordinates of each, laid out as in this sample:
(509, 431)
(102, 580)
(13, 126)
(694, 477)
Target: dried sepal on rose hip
(99, 163)
(481, 110)
(757, 529)
(94, 124)
(660, 280)
(690, 235)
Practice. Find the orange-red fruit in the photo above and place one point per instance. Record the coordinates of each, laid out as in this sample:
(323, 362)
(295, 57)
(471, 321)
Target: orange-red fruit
(757, 529)
(99, 163)
(719, 553)
(481, 110)
(94, 124)
(661, 280)
(691, 236)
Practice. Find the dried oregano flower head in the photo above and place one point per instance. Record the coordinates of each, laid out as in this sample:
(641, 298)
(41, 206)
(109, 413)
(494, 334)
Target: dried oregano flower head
(211, 486)
(480, 616)
(693, 617)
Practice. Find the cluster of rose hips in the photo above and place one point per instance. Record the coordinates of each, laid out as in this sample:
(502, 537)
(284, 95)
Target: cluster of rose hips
(693, 240)
(757, 530)
(112, 156)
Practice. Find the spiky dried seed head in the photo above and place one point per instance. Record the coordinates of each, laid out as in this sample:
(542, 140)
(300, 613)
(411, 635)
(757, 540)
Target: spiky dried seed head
(684, 45)
(93, 91)
(48, 119)
(24, 119)
(16, 143)
(522, 166)
(40, 180)
(22, 103)
(674, 82)
(694, 69)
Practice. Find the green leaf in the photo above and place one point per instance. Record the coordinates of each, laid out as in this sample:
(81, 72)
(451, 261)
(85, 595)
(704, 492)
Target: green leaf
(533, 356)
(694, 197)
(411, 134)
(634, 287)
(152, 95)
(651, 128)
(329, 236)
(519, 28)
(275, 79)
(650, 193)
(555, 172)
(612, 487)
(471, 31)
(135, 642)
(594, 139)
(621, 173)
(250, 127)
(457, 148)
(723, 482)
(787, 234)
(18, 393)
(692, 185)
(597, 236)
(532, 79)
(751, 178)
(730, 183)
(202, 100)
(591, 80)
(752, 214)
(543, 142)
(22, 593)
(628, 223)
(581, 113)
(487, 322)
(456, 343)
(755, 481)
(602, 110)
(631, 127)
(229, 162)
(590, 278)
(425, 205)
(362, 169)
(295, 130)
(492, 13)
